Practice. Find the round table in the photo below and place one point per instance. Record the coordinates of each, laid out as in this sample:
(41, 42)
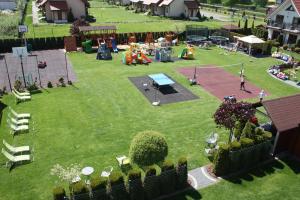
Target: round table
(87, 171)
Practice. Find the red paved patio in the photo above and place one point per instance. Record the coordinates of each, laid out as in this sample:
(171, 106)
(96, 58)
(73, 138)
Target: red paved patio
(221, 83)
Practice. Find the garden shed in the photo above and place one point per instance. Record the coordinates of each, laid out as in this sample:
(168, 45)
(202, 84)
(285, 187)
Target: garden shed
(285, 115)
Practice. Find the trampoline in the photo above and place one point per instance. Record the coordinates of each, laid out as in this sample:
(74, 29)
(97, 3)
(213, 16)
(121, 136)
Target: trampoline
(160, 80)
(218, 39)
(196, 38)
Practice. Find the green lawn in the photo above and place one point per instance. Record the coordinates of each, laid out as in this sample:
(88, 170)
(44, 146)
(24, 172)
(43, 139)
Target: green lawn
(277, 180)
(125, 20)
(94, 120)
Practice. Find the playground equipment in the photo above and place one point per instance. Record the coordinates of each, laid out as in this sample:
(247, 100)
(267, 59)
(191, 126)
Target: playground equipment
(149, 39)
(87, 46)
(187, 53)
(131, 38)
(103, 52)
(163, 54)
(135, 55)
(196, 33)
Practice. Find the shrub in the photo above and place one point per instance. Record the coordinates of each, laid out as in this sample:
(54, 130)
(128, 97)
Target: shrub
(221, 160)
(151, 183)
(98, 186)
(280, 39)
(136, 190)
(297, 49)
(49, 85)
(70, 16)
(238, 129)
(246, 142)
(249, 130)
(267, 135)
(292, 48)
(285, 47)
(118, 189)
(59, 193)
(62, 82)
(298, 43)
(148, 148)
(182, 173)
(80, 191)
(18, 85)
(235, 146)
(167, 177)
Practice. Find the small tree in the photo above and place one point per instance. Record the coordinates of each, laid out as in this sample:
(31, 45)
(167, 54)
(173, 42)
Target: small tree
(252, 24)
(70, 16)
(229, 113)
(147, 148)
(246, 26)
(74, 29)
(239, 24)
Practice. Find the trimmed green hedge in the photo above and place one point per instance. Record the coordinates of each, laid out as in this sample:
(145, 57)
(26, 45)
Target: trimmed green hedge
(221, 160)
(135, 185)
(167, 177)
(59, 193)
(117, 186)
(182, 173)
(151, 184)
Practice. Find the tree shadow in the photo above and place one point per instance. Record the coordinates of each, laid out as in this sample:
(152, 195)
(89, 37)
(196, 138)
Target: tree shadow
(2, 107)
(259, 171)
(189, 193)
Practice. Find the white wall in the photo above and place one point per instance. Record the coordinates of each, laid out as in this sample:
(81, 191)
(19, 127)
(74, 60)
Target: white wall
(125, 2)
(8, 5)
(175, 9)
(78, 8)
(288, 15)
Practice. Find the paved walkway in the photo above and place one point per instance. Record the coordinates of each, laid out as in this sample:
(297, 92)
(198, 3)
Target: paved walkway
(217, 16)
(200, 178)
(35, 13)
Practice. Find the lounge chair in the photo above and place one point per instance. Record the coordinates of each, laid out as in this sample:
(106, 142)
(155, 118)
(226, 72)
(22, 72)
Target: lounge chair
(21, 93)
(19, 115)
(18, 122)
(15, 150)
(21, 98)
(15, 159)
(123, 160)
(16, 129)
(106, 172)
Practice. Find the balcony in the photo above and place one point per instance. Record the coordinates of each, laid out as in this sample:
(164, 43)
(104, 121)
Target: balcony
(285, 26)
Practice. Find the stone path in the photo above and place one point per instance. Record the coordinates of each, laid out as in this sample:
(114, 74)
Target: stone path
(35, 13)
(199, 178)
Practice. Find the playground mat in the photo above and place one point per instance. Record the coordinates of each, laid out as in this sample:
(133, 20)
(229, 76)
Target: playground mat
(166, 94)
(56, 68)
(221, 83)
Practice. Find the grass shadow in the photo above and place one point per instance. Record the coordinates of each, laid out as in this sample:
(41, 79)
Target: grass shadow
(2, 107)
(189, 193)
(293, 163)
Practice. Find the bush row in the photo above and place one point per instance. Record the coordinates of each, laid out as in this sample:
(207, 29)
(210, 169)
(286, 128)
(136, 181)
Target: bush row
(133, 186)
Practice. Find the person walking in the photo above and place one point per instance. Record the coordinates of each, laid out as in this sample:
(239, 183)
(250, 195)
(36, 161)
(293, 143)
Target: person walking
(242, 85)
(262, 95)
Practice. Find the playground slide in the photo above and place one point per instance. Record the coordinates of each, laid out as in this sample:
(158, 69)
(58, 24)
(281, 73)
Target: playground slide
(183, 53)
(144, 57)
(114, 45)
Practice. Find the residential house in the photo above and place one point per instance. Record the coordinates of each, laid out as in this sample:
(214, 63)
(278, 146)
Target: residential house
(152, 6)
(8, 5)
(285, 20)
(124, 2)
(178, 8)
(137, 5)
(57, 10)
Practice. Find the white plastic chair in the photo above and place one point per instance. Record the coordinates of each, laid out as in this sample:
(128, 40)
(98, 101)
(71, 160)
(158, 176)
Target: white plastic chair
(21, 98)
(19, 115)
(21, 93)
(123, 160)
(15, 159)
(16, 129)
(18, 122)
(15, 150)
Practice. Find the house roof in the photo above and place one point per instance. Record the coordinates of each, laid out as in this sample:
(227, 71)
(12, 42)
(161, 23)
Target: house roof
(251, 39)
(58, 5)
(147, 2)
(191, 4)
(284, 112)
(43, 2)
(165, 3)
(295, 3)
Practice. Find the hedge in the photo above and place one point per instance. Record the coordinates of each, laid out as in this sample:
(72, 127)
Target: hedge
(182, 173)
(167, 177)
(80, 191)
(151, 184)
(59, 193)
(117, 186)
(136, 190)
(221, 160)
(98, 187)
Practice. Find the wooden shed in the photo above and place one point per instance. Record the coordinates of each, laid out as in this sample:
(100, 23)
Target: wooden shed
(285, 115)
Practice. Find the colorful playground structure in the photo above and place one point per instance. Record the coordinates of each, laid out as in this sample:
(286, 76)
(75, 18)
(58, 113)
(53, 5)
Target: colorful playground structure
(135, 55)
(103, 52)
(187, 53)
(163, 54)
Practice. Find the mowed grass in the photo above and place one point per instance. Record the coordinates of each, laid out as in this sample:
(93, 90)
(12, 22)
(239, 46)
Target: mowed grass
(126, 21)
(95, 120)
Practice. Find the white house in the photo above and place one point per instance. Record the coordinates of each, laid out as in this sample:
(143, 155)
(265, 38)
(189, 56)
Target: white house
(8, 5)
(152, 5)
(178, 8)
(285, 20)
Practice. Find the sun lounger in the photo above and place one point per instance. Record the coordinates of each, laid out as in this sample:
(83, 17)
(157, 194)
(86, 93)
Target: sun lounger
(15, 150)
(123, 160)
(16, 128)
(21, 98)
(15, 159)
(21, 93)
(18, 122)
(19, 115)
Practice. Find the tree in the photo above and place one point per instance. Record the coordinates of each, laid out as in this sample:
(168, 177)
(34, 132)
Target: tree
(70, 16)
(74, 29)
(148, 148)
(261, 3)
(252, 24)
(231, 2)
(229, 113)
(215, 1)
(239, 24)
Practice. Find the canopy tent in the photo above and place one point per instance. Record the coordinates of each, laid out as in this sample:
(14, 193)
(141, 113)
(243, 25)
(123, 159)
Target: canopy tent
(252, 42)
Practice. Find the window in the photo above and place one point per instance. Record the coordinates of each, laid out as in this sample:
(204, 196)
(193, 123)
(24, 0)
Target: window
(291, 8)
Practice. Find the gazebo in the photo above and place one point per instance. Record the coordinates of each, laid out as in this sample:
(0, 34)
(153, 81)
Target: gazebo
(284, 113)
(252, 43)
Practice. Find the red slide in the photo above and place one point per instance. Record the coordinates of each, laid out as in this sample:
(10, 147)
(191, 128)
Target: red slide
(148, 60)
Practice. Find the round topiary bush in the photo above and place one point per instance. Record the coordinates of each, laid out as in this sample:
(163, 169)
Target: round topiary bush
(148, 148)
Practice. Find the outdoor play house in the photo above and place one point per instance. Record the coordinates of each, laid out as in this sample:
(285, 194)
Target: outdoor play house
(285, 116)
